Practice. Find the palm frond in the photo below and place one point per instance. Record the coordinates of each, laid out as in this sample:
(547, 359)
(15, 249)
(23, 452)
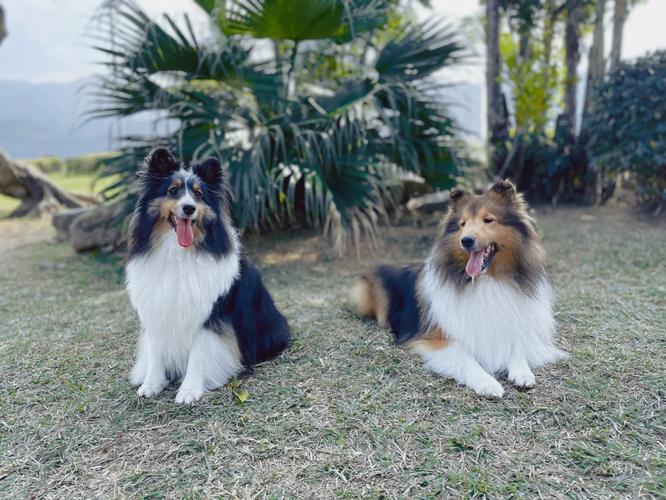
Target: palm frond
(420, 136)
(419, 51)
(143, 47)
(328, 159)
(300, 20)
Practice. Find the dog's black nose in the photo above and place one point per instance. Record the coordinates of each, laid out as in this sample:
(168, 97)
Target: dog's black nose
(467, 242)
(189, 209)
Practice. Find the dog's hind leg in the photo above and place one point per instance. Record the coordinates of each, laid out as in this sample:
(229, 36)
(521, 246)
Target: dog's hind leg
(214, 359)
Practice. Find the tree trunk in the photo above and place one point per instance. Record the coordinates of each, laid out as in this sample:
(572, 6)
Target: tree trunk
(572, 49)
(37, 193)
(496, 116)
(596, 69)
(619, 16)
(548, 35)
(596, 59)
(3, 26)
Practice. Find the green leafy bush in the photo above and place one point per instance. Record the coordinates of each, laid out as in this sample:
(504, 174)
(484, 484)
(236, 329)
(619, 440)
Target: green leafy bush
(313, 128)
(628, 129)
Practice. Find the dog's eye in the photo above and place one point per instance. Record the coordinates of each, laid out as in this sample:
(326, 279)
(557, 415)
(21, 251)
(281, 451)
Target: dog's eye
(172, 190)
(198, 194)
(488, 221)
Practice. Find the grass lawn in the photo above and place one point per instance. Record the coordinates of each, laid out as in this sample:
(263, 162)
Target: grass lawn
(343, 412)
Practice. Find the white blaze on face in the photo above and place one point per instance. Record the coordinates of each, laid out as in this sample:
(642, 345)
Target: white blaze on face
(184, 221)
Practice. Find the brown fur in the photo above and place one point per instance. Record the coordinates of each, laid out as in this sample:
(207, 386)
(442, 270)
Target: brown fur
(497, 216)
(369, 298)
(519, 254)
(432, 340)
(165, 207)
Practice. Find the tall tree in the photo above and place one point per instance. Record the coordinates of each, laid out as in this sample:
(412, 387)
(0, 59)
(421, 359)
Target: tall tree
(596, 59)
(572, 54)
(3, 27)
(496, 111)
(595, 75)
(619, 17)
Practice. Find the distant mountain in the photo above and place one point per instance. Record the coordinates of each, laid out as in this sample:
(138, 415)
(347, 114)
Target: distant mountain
(44, 119)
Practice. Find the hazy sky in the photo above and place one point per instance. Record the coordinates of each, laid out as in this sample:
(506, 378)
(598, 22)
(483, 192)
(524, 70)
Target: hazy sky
(47, 39)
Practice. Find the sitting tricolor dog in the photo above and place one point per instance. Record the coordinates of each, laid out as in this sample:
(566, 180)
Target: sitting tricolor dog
(481, 304)
(205, 313)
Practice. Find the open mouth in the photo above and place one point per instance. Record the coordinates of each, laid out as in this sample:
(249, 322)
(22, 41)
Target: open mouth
(479, 260)
(184, 233)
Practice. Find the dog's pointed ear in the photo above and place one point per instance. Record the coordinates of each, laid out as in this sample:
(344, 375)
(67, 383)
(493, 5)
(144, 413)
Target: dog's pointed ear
(505, 189)
(161, 162)
(457, 195)
(210, 171)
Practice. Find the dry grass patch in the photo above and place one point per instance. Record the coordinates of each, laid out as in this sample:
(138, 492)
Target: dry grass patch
(343, 412)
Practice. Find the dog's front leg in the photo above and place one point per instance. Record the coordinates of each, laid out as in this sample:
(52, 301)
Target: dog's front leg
(214, 359)
(151, 363)
(454, 362)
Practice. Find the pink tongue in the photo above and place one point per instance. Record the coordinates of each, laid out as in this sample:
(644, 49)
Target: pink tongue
(474, 263)
(184, 232)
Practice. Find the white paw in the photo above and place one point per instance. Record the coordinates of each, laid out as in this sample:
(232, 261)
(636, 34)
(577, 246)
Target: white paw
(136, 379)
(522, 378)
(189, 396)
(148, 390)
(488, 387)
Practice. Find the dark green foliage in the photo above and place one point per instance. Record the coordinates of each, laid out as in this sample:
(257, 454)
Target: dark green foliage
(628, 129)
(313, 130)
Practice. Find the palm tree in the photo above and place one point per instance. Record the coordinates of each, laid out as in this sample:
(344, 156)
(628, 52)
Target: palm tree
(314, 124)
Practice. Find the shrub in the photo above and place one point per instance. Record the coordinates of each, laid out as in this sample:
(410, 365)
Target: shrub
(628, 129)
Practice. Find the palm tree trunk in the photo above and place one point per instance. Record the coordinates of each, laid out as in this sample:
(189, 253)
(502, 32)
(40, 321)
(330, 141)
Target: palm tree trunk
(619, 17)
(497, 123)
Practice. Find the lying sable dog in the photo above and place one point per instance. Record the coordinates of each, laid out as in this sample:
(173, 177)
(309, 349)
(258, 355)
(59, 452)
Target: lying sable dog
(481, 304)
(204, 311)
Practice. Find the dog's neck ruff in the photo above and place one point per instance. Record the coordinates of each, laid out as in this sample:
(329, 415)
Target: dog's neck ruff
(174, 289)
(492, 319)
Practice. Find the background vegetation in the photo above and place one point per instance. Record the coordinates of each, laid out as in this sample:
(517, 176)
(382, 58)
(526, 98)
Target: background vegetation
(540, 135)
(318, 113)
(314, 107)
(628, 131)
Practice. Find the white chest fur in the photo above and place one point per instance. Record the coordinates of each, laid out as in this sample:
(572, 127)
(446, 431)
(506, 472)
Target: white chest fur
(494, 321)
(174, 289)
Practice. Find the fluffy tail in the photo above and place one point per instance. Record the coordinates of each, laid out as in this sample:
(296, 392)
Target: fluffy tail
(389, 294)
(368, 298)
(360, 297)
